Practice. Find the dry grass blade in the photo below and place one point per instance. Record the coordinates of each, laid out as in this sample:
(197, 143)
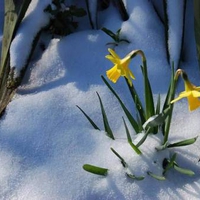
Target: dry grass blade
(14, 13)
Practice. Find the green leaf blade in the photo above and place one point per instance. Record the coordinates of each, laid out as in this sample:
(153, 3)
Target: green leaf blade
(110, 33)
(126, 111)
(137, 102)
(149, 101)
(134, 147)
(89, 119)
(105, 120)
(170, 163)
(138, 178)
(183, 143)
(167, 104)
(157, 177)
(184, 171)
(95, 170)
(123, 162)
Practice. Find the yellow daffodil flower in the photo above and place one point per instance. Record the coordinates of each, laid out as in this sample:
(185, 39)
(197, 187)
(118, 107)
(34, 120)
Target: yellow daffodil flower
(191, 93)
(120, 68)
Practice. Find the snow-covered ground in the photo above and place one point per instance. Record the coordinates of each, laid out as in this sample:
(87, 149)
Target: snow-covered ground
(45, 140)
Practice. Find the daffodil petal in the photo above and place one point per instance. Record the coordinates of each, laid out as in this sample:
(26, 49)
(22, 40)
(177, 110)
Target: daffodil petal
(185, 94)
(181, 95)
(195, 93)
(113, 60)
(197, 88)
(112, 52)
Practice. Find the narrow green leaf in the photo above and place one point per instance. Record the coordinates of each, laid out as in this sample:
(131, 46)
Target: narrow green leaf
(171, 89)
(118, 35)
(184, 171)
(150, 111)
(112, 43)
(138, 178)
(110, 33)
(160, 178)
(182, 49)
(137, 102)
(124, 40)
(89, 119)
(170, 163)
(128, 114)
(118, 32)
(166, 23)
(139, 122)
(158, 105)
(93, 24)
(183, 143)
(144, 137)
(135, 148)
(95, 170)
(105, 120)
(123, 162)
(127, 132)
(157, 111)
(167, 104)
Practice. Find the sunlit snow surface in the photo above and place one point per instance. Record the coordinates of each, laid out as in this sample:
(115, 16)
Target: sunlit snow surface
(45, 139)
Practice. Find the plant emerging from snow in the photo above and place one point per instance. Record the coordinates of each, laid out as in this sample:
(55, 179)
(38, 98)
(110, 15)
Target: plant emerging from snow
(115, 36)
(150, 118)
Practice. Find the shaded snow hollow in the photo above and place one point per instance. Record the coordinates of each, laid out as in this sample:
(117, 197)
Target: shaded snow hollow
(45, 139)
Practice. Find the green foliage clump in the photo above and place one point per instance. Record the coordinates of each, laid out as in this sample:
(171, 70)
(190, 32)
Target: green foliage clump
(150, 117)
(62, 21)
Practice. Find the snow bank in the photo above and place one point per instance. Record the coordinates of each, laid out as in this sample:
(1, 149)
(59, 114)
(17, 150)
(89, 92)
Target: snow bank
(45, 139)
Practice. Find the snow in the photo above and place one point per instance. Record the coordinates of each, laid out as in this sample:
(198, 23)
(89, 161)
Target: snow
(175, 29)
(93, 12)
(27, 33)
(45, 139)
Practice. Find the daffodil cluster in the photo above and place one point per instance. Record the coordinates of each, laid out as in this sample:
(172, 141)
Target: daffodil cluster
(121, 68)
(151, 118)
